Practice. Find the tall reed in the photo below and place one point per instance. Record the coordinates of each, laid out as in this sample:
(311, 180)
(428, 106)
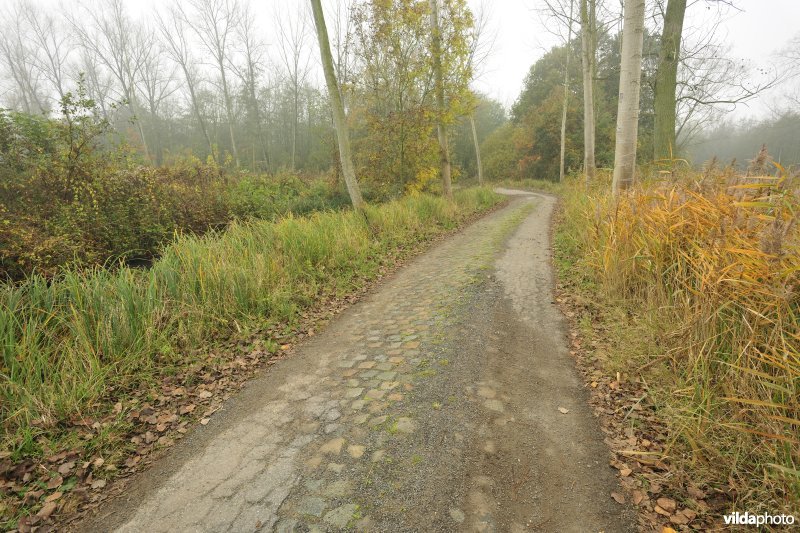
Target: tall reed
(713, 259)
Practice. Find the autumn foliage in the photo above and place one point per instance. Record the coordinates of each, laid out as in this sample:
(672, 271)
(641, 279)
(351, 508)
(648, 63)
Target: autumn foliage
(714, 260)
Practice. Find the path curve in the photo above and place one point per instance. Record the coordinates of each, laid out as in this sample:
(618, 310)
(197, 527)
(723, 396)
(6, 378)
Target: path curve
(432, 405)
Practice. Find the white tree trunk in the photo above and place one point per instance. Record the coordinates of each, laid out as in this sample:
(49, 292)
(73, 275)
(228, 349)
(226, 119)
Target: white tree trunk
(588, 53)
(339, 120)
(477, 148)
(629, 89)
(441, 127)
(565, 103)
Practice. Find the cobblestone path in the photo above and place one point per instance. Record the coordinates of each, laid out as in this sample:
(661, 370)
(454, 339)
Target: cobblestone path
(412, 411)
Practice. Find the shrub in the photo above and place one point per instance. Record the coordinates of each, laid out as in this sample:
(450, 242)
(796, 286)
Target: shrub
(66, 201)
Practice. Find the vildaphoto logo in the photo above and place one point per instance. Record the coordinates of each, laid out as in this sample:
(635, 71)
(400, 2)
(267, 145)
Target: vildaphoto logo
(747, 519)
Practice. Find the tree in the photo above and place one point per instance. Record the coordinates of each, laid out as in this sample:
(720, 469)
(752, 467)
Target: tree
(252, 51)
(441, 126)
(174, 33)
(214, 22)
(394, 115)
(99, 82)
(52, 47)
(477, 147)
(487, 115)
(343, 43)
(18, 56)
(629, 90)
(566, 98)
(479, 51)
(155, 84)
(339, 119)
(119, 44)
(695, 81)
(559, 12)
(292, 46)
(538, 113)
(667, 80)
(588, 61)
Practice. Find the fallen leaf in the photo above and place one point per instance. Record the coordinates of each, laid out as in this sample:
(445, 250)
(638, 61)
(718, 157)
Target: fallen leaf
(205, 421)
(679, 519)
(46, 510)
(638, 496)
(167, 418)
(619, 498)
(55, 482)
(667, 529)
(625, 472)
(186, 409)
(204, 394)
(32, 496)
(65, 468)
(99, 484)
(563, 410)
(668, 504)
(53, 497)
(657, 508)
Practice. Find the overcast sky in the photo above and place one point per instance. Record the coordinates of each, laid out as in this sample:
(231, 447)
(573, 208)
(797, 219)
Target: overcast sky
(755, 31)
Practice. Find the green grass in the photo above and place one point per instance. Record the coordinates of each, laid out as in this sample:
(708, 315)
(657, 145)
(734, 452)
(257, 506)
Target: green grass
(73, 344)
(547, 186)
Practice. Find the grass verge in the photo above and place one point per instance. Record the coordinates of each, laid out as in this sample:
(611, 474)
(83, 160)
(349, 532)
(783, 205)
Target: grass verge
(545, 186)
(689, 289)
(76, 347)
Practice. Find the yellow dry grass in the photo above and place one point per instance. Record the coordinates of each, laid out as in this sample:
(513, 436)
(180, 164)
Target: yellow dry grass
(714, 260)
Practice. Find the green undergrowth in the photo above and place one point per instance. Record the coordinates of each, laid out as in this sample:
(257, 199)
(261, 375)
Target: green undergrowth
(72, 343)
(546, 186)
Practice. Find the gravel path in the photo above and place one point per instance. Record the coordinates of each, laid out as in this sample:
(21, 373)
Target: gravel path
(432, 405)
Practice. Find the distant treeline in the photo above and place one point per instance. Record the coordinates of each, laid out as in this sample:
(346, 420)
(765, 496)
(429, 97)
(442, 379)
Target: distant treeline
(741, 141)
(202, 79)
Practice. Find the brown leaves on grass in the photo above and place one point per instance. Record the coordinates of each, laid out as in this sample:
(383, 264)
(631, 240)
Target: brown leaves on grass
(664, 497)
(143, 422)
(146, 420)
